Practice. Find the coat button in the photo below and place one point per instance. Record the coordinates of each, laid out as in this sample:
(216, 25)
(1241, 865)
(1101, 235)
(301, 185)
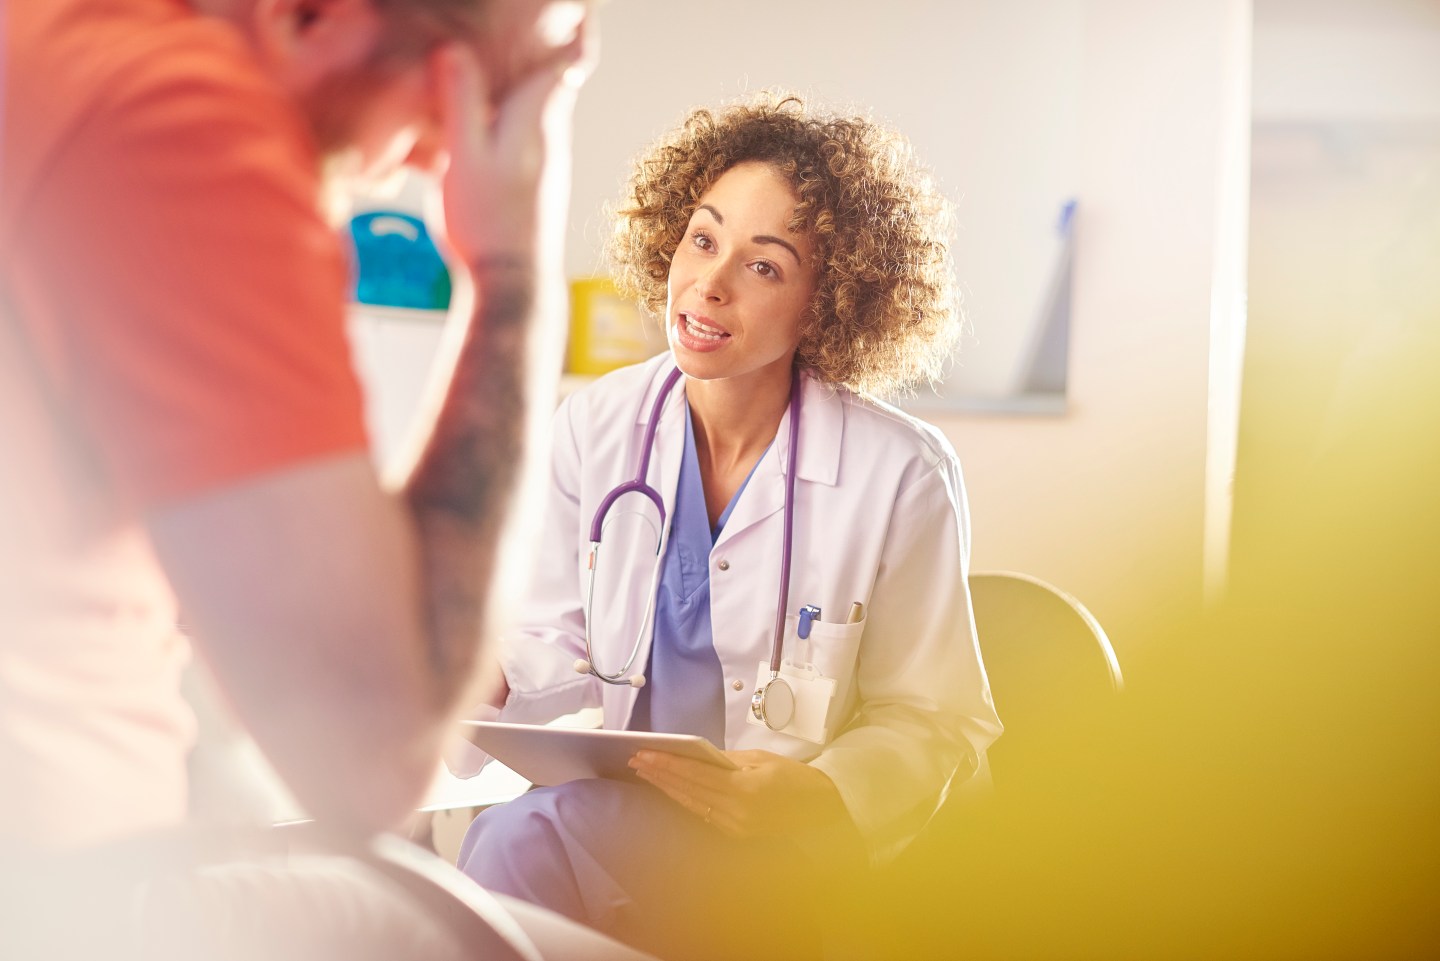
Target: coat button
(738, 685)
(723, 565)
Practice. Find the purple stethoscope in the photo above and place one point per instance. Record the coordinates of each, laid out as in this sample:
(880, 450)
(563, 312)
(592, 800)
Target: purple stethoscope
(773, 702)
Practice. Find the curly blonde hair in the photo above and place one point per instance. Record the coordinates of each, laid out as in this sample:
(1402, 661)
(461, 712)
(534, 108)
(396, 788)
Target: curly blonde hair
(885, 315)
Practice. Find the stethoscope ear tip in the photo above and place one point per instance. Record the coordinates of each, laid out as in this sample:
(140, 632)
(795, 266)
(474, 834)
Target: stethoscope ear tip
(583, 666)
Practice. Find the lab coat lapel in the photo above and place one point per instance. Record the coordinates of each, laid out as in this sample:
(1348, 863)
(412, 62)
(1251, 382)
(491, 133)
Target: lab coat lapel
(763, 495)
(822, 433)
(822, 423)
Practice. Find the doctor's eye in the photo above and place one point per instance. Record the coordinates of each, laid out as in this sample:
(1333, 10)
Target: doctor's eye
(701, 240)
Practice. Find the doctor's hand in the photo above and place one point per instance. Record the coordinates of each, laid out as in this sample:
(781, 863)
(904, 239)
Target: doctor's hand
(769, 795)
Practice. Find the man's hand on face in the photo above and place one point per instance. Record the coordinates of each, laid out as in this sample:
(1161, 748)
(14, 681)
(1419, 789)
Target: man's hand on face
(505, 163)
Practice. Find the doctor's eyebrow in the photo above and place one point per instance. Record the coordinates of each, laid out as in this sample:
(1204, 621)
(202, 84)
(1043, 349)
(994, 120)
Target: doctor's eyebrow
(767, 239)
(758, 238)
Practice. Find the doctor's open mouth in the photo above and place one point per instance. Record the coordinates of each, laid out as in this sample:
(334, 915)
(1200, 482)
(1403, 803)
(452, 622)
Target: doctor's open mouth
(696, 327)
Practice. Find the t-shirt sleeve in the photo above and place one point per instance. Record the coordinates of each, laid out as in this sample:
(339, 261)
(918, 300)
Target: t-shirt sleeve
(198, 329)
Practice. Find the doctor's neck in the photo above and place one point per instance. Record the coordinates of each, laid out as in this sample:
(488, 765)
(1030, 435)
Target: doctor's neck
(735, 419)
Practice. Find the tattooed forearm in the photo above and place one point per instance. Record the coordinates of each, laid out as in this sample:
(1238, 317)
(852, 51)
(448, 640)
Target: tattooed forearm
(463, 486)
(478, 436)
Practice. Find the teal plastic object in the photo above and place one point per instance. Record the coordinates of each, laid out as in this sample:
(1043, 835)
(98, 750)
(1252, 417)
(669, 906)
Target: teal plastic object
(396, 263)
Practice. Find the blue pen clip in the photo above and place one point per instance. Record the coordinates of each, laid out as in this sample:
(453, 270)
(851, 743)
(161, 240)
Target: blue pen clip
(808, 614)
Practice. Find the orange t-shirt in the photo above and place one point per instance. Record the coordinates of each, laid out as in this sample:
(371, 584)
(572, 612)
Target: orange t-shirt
(171, 321)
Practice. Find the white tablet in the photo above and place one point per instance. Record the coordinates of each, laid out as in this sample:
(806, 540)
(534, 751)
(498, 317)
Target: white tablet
(553, 755)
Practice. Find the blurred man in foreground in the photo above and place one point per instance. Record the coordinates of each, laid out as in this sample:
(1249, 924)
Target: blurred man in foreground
(178, 411)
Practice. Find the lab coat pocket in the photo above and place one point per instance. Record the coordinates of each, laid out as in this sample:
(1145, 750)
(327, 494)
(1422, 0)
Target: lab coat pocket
(833, 651)
(833, 647)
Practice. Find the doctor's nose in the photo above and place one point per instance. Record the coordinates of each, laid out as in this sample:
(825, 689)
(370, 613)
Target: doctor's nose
(712, 286)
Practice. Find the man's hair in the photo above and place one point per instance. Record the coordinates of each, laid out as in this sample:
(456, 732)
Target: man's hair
(420, 24)
(885, 315)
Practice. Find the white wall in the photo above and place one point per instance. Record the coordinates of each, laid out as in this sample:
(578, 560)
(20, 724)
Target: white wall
(985, 89)
(1109, 500)
(1339, 61)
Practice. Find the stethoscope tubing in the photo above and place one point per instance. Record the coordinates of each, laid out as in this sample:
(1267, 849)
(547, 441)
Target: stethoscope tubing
(639, 485)
(776, 647)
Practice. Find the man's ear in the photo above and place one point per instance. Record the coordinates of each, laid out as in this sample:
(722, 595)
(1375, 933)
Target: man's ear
(305, 41)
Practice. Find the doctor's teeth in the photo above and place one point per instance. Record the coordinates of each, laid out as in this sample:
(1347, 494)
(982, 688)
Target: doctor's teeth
(698, 328)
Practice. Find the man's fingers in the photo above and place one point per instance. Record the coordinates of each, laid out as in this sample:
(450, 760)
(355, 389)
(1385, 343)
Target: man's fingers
(464, 98)
(560, 74)
(583, 52)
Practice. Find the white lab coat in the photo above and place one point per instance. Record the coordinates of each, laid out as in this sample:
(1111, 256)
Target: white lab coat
(880, 518)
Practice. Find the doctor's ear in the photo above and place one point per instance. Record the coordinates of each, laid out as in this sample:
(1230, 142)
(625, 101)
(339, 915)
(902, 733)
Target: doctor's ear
(305, 41)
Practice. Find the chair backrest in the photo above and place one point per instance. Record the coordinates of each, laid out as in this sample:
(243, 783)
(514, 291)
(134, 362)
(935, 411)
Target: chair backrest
(1047, 657)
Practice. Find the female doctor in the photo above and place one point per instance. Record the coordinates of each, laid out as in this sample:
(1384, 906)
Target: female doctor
(811, 615)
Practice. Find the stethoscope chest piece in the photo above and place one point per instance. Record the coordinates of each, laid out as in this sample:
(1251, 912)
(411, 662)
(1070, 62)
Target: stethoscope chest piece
(774, 703)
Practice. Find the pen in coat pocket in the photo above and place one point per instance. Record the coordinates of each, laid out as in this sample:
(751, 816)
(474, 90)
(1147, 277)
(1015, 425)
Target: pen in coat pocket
(857, 613)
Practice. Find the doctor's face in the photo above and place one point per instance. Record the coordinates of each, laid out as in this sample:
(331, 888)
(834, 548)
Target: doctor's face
(740, 281)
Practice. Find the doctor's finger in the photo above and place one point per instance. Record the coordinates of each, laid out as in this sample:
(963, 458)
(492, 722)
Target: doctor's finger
(733, 815)
(677, 769)
(701, 807)
(695, 798)
(675, 782)
(723, 815)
